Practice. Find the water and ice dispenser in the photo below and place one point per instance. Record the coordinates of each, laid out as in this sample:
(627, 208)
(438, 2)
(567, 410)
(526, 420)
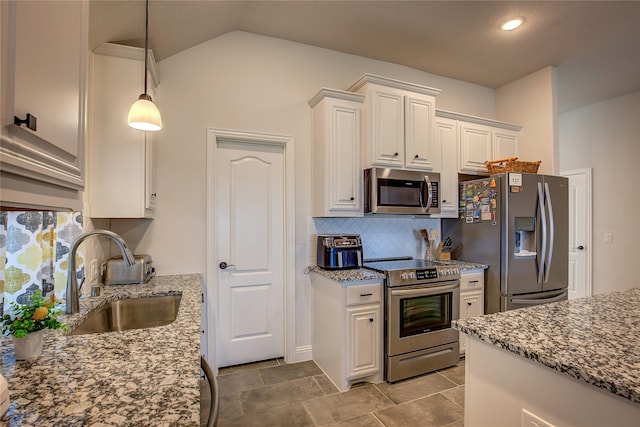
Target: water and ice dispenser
(524, 239)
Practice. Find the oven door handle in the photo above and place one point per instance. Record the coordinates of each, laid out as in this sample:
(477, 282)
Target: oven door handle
(429, 290)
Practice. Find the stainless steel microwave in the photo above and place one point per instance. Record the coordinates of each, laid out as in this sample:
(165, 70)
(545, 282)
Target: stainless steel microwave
(394, 191)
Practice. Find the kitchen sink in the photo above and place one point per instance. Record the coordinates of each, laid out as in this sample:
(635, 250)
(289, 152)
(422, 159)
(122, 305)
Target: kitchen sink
(131, 313)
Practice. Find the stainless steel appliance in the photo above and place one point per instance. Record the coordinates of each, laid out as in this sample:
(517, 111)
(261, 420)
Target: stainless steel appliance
(118, 273)
(517, 224)
(421, 300)
(393, 191)
(338, 251)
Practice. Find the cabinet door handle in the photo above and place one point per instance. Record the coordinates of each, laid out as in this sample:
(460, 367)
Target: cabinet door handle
(366, 295)
(352, 198)
(31, 121)
(395, 154)
(416, 156)
(371, 319)
(469, 304)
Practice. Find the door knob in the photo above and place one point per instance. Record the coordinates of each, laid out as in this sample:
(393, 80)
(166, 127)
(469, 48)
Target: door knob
(580, 248)
(223, 265)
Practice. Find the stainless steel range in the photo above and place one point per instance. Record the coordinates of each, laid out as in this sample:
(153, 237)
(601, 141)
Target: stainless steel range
(421, 300)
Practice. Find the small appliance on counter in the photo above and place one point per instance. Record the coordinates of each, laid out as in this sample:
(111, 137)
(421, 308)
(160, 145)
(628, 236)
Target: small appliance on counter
(118, 273)
(339, 251)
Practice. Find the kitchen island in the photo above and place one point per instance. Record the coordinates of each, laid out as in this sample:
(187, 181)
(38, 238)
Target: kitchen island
(572, 363)
(137, 377)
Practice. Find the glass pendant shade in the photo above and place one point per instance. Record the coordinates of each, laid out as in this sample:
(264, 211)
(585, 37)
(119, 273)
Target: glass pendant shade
(144, 114)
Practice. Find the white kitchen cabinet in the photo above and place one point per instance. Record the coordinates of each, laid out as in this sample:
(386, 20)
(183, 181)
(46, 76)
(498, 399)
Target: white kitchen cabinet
(363, 341)
(347, 330)
(447, 137)
(122, 159)
(44, 74)
(471, 299)
(337, 154)
(399, 124)
(481, 140)
(475, 147)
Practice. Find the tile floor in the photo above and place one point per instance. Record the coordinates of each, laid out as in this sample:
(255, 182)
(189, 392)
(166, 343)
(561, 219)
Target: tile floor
(272, 393)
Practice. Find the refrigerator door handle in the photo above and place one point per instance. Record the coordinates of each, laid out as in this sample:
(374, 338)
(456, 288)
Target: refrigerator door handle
(543, 248)
(547, 267)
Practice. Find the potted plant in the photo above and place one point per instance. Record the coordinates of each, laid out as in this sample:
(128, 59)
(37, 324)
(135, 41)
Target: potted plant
(25, 323)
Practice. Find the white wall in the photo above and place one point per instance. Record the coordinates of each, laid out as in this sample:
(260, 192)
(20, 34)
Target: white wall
(248, 82)
(606, 137)
(532, 103)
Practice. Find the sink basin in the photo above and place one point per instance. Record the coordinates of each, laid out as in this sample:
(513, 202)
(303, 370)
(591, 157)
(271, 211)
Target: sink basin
(131, 313)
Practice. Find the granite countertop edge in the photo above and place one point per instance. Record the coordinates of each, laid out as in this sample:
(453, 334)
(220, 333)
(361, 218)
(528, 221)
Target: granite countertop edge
(365, 274)
(587, 339)
(134, 377)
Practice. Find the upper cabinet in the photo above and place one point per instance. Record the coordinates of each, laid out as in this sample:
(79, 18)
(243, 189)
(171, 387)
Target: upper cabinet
(399, 124)
(121, 159)
(337, 142)
(44, 83)
(481, 140)
(466, 143)
(447, 137)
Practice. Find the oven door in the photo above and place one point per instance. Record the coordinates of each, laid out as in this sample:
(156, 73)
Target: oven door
(419, 316)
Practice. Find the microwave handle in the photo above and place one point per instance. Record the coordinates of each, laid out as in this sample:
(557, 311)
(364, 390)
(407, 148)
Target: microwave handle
(429, 193)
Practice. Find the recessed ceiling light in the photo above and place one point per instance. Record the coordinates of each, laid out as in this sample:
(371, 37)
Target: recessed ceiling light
(512, 24)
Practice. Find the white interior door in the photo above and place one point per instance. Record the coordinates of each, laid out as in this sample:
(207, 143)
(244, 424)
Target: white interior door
(249, 234)
(579, 232)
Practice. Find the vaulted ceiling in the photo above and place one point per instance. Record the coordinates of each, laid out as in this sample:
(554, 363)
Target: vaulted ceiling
(594, 44)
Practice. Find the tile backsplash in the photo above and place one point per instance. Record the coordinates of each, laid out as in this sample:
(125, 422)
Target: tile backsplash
(382, 237)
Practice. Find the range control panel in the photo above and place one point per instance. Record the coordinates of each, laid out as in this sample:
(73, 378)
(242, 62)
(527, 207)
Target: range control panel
(423, 275)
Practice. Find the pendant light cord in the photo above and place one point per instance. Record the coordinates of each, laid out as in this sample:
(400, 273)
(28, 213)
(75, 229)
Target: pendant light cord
(146, 44)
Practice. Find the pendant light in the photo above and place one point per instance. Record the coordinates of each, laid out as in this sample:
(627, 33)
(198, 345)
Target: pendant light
(144, 115)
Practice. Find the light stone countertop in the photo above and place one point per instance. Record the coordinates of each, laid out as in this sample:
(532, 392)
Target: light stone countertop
(141, 377)
(594, 340)
(355, 275)
(364, 274)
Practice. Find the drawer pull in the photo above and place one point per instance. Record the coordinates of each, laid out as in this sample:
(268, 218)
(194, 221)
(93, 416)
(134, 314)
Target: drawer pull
(366, 295)
(473, 281)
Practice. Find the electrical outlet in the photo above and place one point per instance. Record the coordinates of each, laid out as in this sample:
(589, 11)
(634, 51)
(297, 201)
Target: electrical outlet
(531, 420)
(608, 237)
(94, 270)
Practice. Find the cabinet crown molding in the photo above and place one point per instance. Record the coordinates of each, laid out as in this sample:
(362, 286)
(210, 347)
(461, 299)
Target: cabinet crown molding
(397, 84)
(475, 119)
(335, 93)
(131, 52)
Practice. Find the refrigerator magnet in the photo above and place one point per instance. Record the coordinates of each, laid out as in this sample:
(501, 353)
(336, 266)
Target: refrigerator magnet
(515, 179)
(486, 216)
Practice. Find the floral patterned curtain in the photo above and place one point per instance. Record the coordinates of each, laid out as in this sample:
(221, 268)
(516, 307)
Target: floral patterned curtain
(33, 253)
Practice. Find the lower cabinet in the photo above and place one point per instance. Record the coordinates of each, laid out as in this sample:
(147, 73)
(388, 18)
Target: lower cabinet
(347, 330)
(471, 299)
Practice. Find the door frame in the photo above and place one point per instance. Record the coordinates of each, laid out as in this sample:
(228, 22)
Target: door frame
(214, 135)
(588, 224)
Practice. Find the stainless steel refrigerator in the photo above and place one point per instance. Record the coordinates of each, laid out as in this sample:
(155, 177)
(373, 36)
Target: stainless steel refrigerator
(517, 224)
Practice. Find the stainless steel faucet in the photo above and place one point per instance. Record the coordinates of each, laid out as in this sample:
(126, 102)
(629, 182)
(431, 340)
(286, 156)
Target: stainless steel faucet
(73, 296)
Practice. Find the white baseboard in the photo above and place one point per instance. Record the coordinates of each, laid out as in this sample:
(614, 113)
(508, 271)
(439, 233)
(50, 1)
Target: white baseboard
(303, 353)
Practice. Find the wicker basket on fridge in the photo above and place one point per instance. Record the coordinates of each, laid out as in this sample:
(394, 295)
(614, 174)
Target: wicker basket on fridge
(512, 164)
